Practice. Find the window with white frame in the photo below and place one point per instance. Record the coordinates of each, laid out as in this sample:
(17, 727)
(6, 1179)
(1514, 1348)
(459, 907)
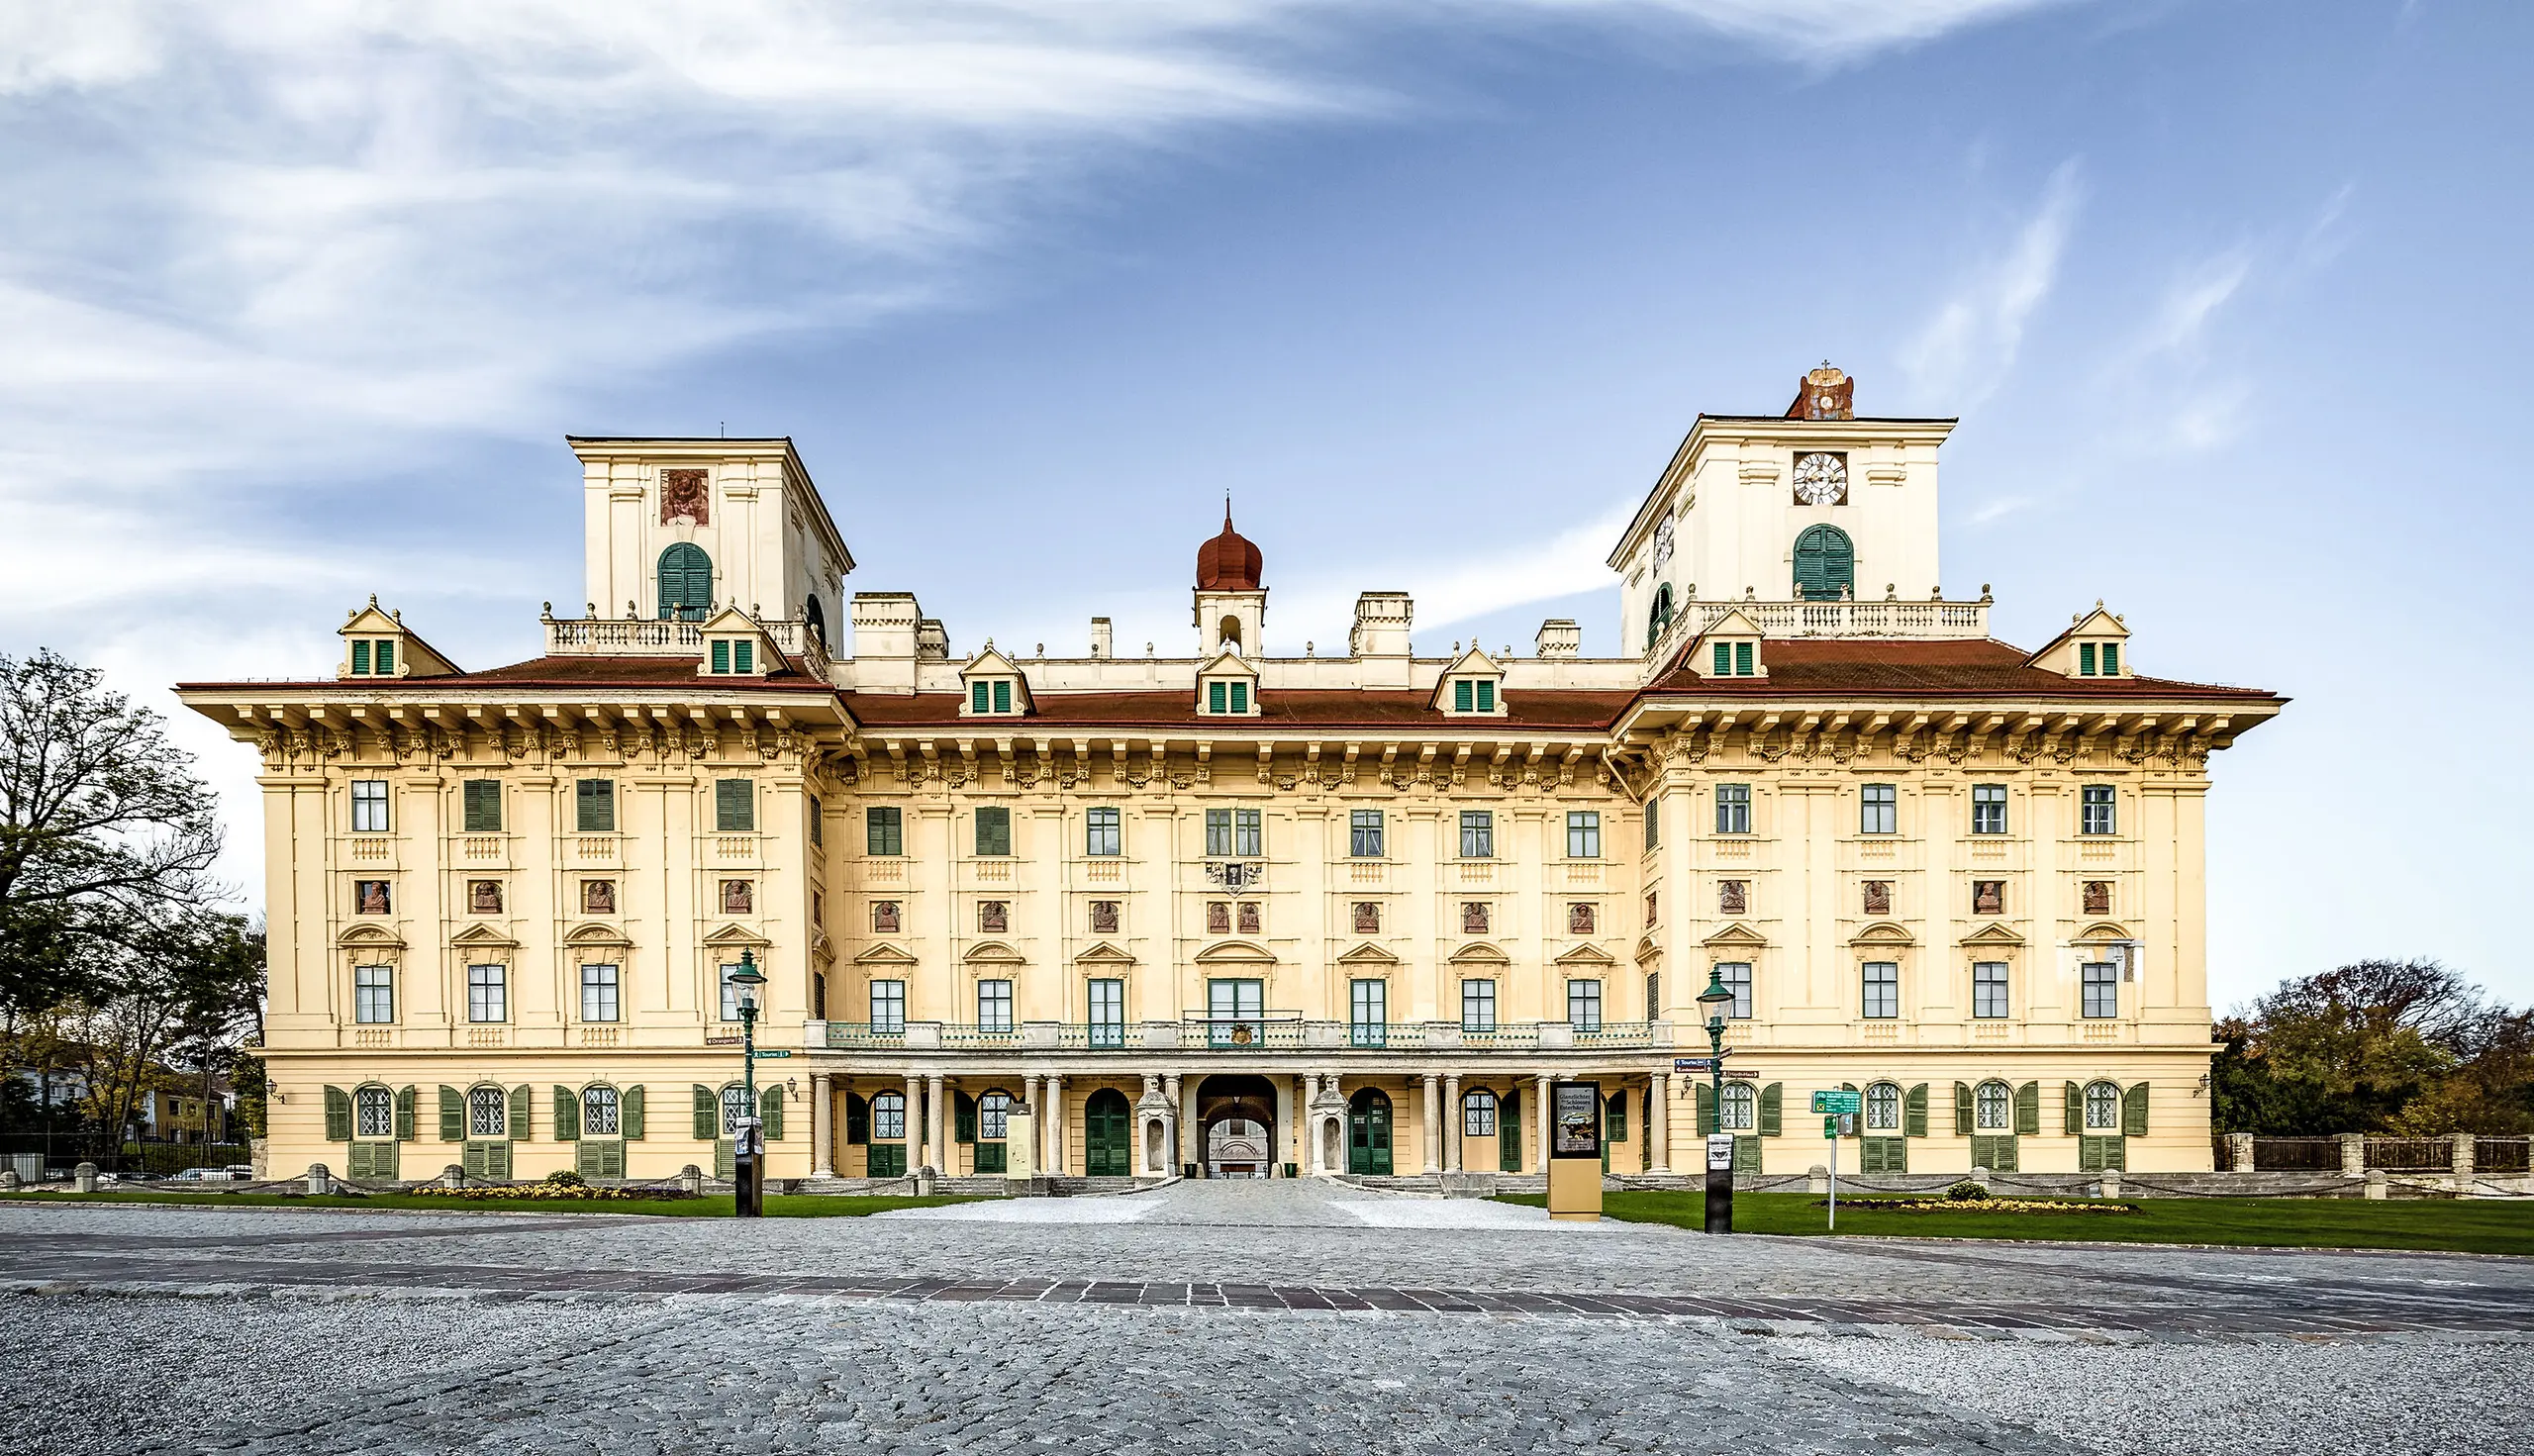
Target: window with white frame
(1478, 1004)
(488, 1113)
(374, 1113)
(889, 1117)
(993, 1115)
(1882, 990)
(373, 994)
(369, 806)
(1363, 833)
(1733, 809)
(1102, 831)
(1989, 998)
(734, 1105)
(1368, 1012)
(994, 1006)
(1584, 1004)
(1106, 1010)
(889, 1007)
(1879, 809)
(1987, 808)
(2096, 811)
(1478, 833)
(1736, 975)
(1883, 1108)
(1738, 1109)
(599, 1109)
(1993, 1106)
(1583, 833)
(2102, 1107)
(1478, 1115)
(488, 993)
(599, 994)
(730, 993)
(2101, 986)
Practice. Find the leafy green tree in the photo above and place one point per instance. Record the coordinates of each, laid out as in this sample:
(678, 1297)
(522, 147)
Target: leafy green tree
(2374, 1046)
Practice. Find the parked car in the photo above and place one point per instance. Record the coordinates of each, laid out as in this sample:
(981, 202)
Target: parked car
(204, 1175)
(241, 1170)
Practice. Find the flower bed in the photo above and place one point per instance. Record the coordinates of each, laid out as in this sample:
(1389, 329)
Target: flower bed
(554, 1187)
(1980, 1206)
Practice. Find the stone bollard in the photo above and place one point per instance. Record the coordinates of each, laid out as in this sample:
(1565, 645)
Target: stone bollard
(2111, 1183)
(689, 1179)
(10, 1181)
(2239, 1152)
(84, 1177)
(2463, 1162)
(925, 1181)
(2353, 1154)
(320, 1182)
(2375, 1183)
(453, 1175)
(1981, 1177)
(1816, 1179)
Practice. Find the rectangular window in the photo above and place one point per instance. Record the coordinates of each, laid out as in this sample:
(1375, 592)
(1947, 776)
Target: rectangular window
(1582, 834)
(597, 994)
(993, 830)
(1723, 660)
(1584, 1004)
(360, 659)
(994, 1006)
(1364, 833)
(1101, 833)
(1246, 834)
(980, 698)
(1464, 694)
(369, 806)
(884, 832)
(2102, 989)
(1736, 976)
(1219, 834)
(1003, 695)
(1478, 1115)
(1882, 990)
(373, 994)
(482, 800)
(1217, 698)
(1107, 1014)
(1654, 823)
(1478, 833)
(1741, 660)
(1878, 810)
(730, 994)
(1987, 808)
(488, 994)
(1733, 809)
(385, 665)
(2110, 659)
(818, 819)
(743, 656)
(1989, 998)
(594, 806)
(1478, 1005)
(1234, 1011)
(720, 654)
(889, 1007)
(734, 807)
(1368, 1014)
(1485, 696)
(2097, 809)
(1241, 697)
(2084, 659)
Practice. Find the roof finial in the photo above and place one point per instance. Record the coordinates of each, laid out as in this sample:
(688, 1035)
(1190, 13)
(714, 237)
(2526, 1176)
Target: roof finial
(1226, 510)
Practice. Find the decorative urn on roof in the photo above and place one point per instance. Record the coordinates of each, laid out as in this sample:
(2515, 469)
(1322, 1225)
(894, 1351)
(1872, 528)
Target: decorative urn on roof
(1228, 563)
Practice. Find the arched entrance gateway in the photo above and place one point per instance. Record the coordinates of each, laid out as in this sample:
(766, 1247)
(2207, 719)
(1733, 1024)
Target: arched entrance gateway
(1108, 1135)
(1237, 1125)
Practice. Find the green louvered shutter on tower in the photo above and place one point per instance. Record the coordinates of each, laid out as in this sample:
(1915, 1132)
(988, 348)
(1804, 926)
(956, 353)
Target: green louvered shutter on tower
(734, 807)
(1962, 1109)
(452, 1115)
(339, 1116)
(2072, 1109)
(1772, 1110)
(567, 1114)
(963, 1116)
(405, 1114)
(1913, 1117)
(1707, 1110)
(2133, 1111)
(708, 1114)
(630, 1114)
(2028, 1109)
(1826, 563)
(769, 1110)
(483, 805)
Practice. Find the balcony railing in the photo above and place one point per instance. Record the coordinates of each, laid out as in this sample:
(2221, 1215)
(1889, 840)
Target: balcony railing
(1270, 1031)
(596, 636)
(1795, 619)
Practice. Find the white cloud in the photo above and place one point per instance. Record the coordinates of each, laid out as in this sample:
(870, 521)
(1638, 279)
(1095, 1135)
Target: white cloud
(1967, 349)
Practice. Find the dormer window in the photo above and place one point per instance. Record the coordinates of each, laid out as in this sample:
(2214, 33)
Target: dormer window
(993, 686)
(375, 658)
(1474, 695)
(988, 696)
(1732, 649)
(1227, 696)
(733, 655)
(1472, 686)
(2098, 660)
(2089, 647)
(1734, 660)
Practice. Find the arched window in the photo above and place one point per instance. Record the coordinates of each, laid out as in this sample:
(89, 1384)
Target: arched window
(1478, 1115)
(488, 1114)
(889, 1117)
(597, 1112)
(994, 1111)
(686, 583)
(2102, 1107)
(1739, 1108)
(374, 1113)
(1660, 618)
(1826, 565)
(816, 616)
(1883, 1108)
(1994, 1104)
(734, 1105)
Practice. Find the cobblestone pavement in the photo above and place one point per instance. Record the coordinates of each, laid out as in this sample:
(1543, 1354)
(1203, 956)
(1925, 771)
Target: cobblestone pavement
(1212, 1317)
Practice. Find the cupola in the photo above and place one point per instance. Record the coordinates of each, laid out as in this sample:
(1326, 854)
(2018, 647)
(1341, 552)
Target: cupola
(1231, 605)
(1228, 563)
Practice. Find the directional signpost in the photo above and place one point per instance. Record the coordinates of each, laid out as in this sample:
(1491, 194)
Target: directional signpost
(1839, 1109)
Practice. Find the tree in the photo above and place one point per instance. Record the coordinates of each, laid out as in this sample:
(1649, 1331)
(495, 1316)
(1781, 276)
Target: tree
(104, 830)
(2374, 1046)
(177, 1000)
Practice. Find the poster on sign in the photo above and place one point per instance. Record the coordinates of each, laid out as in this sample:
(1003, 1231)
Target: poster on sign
(1576, 1120)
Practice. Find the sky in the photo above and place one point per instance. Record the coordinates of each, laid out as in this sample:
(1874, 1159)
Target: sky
(301, 298)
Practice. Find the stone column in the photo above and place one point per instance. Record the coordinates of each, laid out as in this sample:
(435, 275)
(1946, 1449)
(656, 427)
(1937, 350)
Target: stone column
(2353, 1154)
(1658, 1123)
(2239, 1152)
(1452, 1129)
(1054, 1122)
(936, 1123)
(914, 1143)
(822, 1126)
(1433, 1098)
(2463, 1156)
(1173, 1087)
(1542, 1120)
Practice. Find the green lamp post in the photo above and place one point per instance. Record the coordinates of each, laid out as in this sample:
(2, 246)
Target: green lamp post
(746, 1173)
(1717, 998)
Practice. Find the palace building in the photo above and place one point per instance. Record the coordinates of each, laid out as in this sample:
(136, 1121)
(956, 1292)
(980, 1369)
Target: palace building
(1241, 907)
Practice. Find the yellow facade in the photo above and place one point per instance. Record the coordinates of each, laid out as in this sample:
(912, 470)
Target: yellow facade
(1236, 910)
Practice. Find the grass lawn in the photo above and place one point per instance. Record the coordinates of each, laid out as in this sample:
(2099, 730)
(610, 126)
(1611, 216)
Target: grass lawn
(2480, 1227)
(777, 1205)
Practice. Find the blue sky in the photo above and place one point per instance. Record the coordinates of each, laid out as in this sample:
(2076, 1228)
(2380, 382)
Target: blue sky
(302, 299)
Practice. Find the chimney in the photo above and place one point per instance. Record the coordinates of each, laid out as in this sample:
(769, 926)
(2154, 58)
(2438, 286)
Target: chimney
(1559, 637)
(931, 644)
(1380, 637)
(884, 633)
(1102, 640)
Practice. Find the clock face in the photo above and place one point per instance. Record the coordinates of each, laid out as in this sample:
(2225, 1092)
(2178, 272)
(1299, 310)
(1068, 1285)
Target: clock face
(1662, 542)
(1821, 479)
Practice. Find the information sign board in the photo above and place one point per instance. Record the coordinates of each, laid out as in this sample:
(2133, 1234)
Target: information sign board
(1838, 1099)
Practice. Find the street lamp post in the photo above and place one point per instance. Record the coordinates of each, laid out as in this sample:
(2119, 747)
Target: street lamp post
(747, 1143)
(1716, 998)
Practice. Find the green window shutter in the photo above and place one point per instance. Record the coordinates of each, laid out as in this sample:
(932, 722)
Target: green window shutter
(2116, 1153)
(1741, 660)
(1241, 697)
(743, 656)
(708, 1114)
(567, 1114)
(360, 659)
(726, 1159)
(404, 1115)
(2111, 659)
(734, 805)
(1825, 564)
(360, 1162)
(497, 1160)
(1772, 1110)
(1509, 1133)
(614, 1164)
(2133, 1111)
(629, 1115)
(586, 1158)
(523, 1111)
(596, 806)
(2009, 1154)
(1746, 1154)
(1003, 697)
(720, 654)
(1614, 1117)
(472, 1160)
(1464, 696)
(452, 1115)
(1707, 1110)
(769, 1110)
(1913, 1115)
(1724, 659)
(385, 665)
(2028, 1109)
(2084, 659)
(338, 1115)
(1962, 1109)
(2090, 1154)
(978, 701)
(1215, 698)
(963, 1113)
(2072, 1109)
(1487, 697)
(990, 1158)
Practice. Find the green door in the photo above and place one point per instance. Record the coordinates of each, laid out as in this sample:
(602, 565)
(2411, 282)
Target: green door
(1107, 1139)
(888, 1160)
(1368, 1133)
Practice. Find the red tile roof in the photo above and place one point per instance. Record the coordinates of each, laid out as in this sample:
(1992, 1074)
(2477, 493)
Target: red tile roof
(1849, 667)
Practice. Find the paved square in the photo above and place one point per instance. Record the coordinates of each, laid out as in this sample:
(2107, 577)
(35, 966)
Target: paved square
(1274, 1316)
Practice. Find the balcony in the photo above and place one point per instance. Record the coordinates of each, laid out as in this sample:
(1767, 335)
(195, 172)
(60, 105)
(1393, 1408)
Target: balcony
(592, 637)
(1890, 617)
(1265, 1031)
